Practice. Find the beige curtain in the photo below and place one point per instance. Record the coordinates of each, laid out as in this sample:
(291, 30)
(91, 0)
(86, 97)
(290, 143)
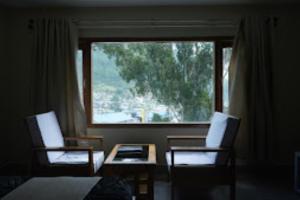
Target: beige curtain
(250, 72)
(55, 85)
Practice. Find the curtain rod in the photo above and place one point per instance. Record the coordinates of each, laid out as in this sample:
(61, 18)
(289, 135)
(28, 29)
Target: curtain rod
(153, 23)
(149, 23)
(94, 23)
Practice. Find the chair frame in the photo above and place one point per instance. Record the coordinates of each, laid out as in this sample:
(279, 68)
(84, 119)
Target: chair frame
(69, 169)
(209, 175)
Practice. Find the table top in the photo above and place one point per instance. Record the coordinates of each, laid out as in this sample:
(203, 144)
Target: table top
(110, 160)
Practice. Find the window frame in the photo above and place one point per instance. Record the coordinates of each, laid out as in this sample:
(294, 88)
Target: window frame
(220, 42)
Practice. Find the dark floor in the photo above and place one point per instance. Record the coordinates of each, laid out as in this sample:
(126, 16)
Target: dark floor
(266, 183)
(250, 187)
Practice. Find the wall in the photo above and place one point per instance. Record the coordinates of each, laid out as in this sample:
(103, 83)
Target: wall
(2, 28)
(286, 96)
(17, 70)
(285, 71)
(3, 79)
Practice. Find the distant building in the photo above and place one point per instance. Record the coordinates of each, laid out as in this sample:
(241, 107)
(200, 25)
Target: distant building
(117, 117)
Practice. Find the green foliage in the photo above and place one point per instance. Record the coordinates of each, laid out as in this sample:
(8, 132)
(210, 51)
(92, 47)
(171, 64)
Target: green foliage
(157, 118)
(105, 71)
(116, 103)
(179, 75)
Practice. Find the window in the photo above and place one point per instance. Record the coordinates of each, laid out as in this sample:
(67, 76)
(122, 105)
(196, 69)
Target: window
(226, 55)
(154, 82)
(79, 70)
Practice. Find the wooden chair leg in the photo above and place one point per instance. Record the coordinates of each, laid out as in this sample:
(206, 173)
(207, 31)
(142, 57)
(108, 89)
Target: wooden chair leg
(172, 191)
(232, 191)
(169, 177)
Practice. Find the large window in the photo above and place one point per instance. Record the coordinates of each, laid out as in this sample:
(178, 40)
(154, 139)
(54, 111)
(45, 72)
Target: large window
(154, 82)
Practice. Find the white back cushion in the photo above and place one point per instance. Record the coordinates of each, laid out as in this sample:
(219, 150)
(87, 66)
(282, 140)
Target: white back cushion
(216, 133)
(50, 132)
(217, 130)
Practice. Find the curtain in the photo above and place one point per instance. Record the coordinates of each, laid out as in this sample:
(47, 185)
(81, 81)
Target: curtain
(55, 85)
(250, 72)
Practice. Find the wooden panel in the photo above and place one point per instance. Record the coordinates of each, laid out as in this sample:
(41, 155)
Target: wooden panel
(152, 154)
(218, 78)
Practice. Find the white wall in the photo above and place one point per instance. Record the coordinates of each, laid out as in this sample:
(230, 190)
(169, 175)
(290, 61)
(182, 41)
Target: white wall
(286, 71)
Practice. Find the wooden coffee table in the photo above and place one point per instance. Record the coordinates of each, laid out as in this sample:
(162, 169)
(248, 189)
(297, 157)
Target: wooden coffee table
(141, 171)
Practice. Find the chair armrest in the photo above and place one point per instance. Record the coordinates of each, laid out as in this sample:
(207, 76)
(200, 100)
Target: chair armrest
(202, 149)
(199, 149)
(76, 148)
(90, 137)
(64, 149)
(185, 137)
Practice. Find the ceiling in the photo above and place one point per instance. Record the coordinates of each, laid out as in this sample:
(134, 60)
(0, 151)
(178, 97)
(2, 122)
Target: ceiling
(94, 3)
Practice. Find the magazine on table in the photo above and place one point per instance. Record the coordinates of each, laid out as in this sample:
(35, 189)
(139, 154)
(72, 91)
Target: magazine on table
(136, 151)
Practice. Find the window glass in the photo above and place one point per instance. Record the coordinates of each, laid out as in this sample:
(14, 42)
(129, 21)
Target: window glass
(79, 70)
(152, 82)
(226, 59)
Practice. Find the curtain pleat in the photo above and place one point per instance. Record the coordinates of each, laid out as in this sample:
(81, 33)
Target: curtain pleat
(250, 88)
(55, 85)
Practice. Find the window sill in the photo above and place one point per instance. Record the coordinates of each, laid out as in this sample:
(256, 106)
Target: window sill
(152, 125)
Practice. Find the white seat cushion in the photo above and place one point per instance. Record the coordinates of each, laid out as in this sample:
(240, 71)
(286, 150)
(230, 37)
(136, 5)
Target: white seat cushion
(190, 158)
(80, 157)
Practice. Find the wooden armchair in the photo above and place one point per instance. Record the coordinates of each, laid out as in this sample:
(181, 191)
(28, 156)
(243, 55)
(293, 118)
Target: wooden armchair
(51, 157)
(209, 165)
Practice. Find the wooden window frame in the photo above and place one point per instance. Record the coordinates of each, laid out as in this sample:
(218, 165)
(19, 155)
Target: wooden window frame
(85, 46)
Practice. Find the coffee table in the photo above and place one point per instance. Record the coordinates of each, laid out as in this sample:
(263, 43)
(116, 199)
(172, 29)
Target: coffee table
(140, 170)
